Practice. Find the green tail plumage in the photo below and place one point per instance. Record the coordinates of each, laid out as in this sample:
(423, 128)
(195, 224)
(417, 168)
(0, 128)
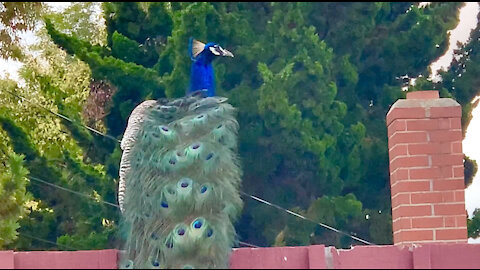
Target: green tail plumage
(179, 181)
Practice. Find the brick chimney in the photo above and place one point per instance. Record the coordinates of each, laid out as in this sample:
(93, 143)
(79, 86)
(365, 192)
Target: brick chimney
(426, 170)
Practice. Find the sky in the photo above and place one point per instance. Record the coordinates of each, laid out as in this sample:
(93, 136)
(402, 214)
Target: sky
(471, 143)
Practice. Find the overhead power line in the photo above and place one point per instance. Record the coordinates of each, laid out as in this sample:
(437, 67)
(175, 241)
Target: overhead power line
(305, 218)
(47, 241)
(98, 201)
(72, 191)
(63, 116)
(245, 194)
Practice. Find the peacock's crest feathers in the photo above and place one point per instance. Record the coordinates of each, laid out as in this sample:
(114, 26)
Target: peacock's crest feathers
(179, 180)
(195, 48)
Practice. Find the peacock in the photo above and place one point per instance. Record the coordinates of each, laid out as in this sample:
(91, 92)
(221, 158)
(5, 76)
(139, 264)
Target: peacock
(180, 175)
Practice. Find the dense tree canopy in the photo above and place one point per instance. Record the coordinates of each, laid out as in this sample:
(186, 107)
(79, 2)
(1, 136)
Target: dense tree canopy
(312, 82)
(16, 18)
(59, 83)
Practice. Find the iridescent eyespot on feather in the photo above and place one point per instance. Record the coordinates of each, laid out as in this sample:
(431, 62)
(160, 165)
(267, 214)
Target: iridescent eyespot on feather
(129, 264)
(185, 182)
(164, 204)
(195, 146)
(197, 224)
(209, 156)
(181, 231)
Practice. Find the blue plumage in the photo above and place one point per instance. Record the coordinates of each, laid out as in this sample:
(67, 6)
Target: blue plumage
(202, 76)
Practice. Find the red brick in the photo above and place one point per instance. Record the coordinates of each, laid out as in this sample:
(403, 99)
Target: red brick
(450, 234)
(451, 184)
(428, 94)
(457, 147)
(397, 125)
(445, 135)
(443, 123)
(397, 237)
(402, 224)
(416, 235)
(432, 197)
(411, 211)
(448, 196)
(407, 137)
(400, 174)
(398, 150)
(455, 123)
(439, 112)
(401, 198)
(406, 162)
(449, 209)
(446, 147)
(446, 171)
(410, 186)
(423, 124)
(427, 222)
(426, 197)
(424, 173)
(405, 113)
(461, 221)
(450, 221)
(447, 159)
(428, 148)
(458, 172)
(459, 195)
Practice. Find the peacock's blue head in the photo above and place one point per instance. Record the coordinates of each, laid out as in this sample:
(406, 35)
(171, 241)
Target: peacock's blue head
(199, 50)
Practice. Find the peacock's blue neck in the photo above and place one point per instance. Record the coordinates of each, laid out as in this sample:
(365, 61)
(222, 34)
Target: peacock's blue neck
(202, 75)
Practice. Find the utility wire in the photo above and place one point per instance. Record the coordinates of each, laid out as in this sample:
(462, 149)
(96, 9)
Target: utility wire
(72, 191)
(305, 218)
(245, 194)
(99, 201)
(247, 244)
(47, 241)
(63, 116)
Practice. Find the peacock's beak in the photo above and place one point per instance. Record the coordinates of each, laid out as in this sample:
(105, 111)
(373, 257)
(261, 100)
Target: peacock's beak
(226, 52)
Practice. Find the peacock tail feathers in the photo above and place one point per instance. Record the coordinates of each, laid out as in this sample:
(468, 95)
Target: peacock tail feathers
(179, 182)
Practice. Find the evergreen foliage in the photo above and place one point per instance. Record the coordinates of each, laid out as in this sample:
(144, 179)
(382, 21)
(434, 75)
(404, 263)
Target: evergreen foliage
(13, 196)
(60, 83)
(312, 83)
(473, 224)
